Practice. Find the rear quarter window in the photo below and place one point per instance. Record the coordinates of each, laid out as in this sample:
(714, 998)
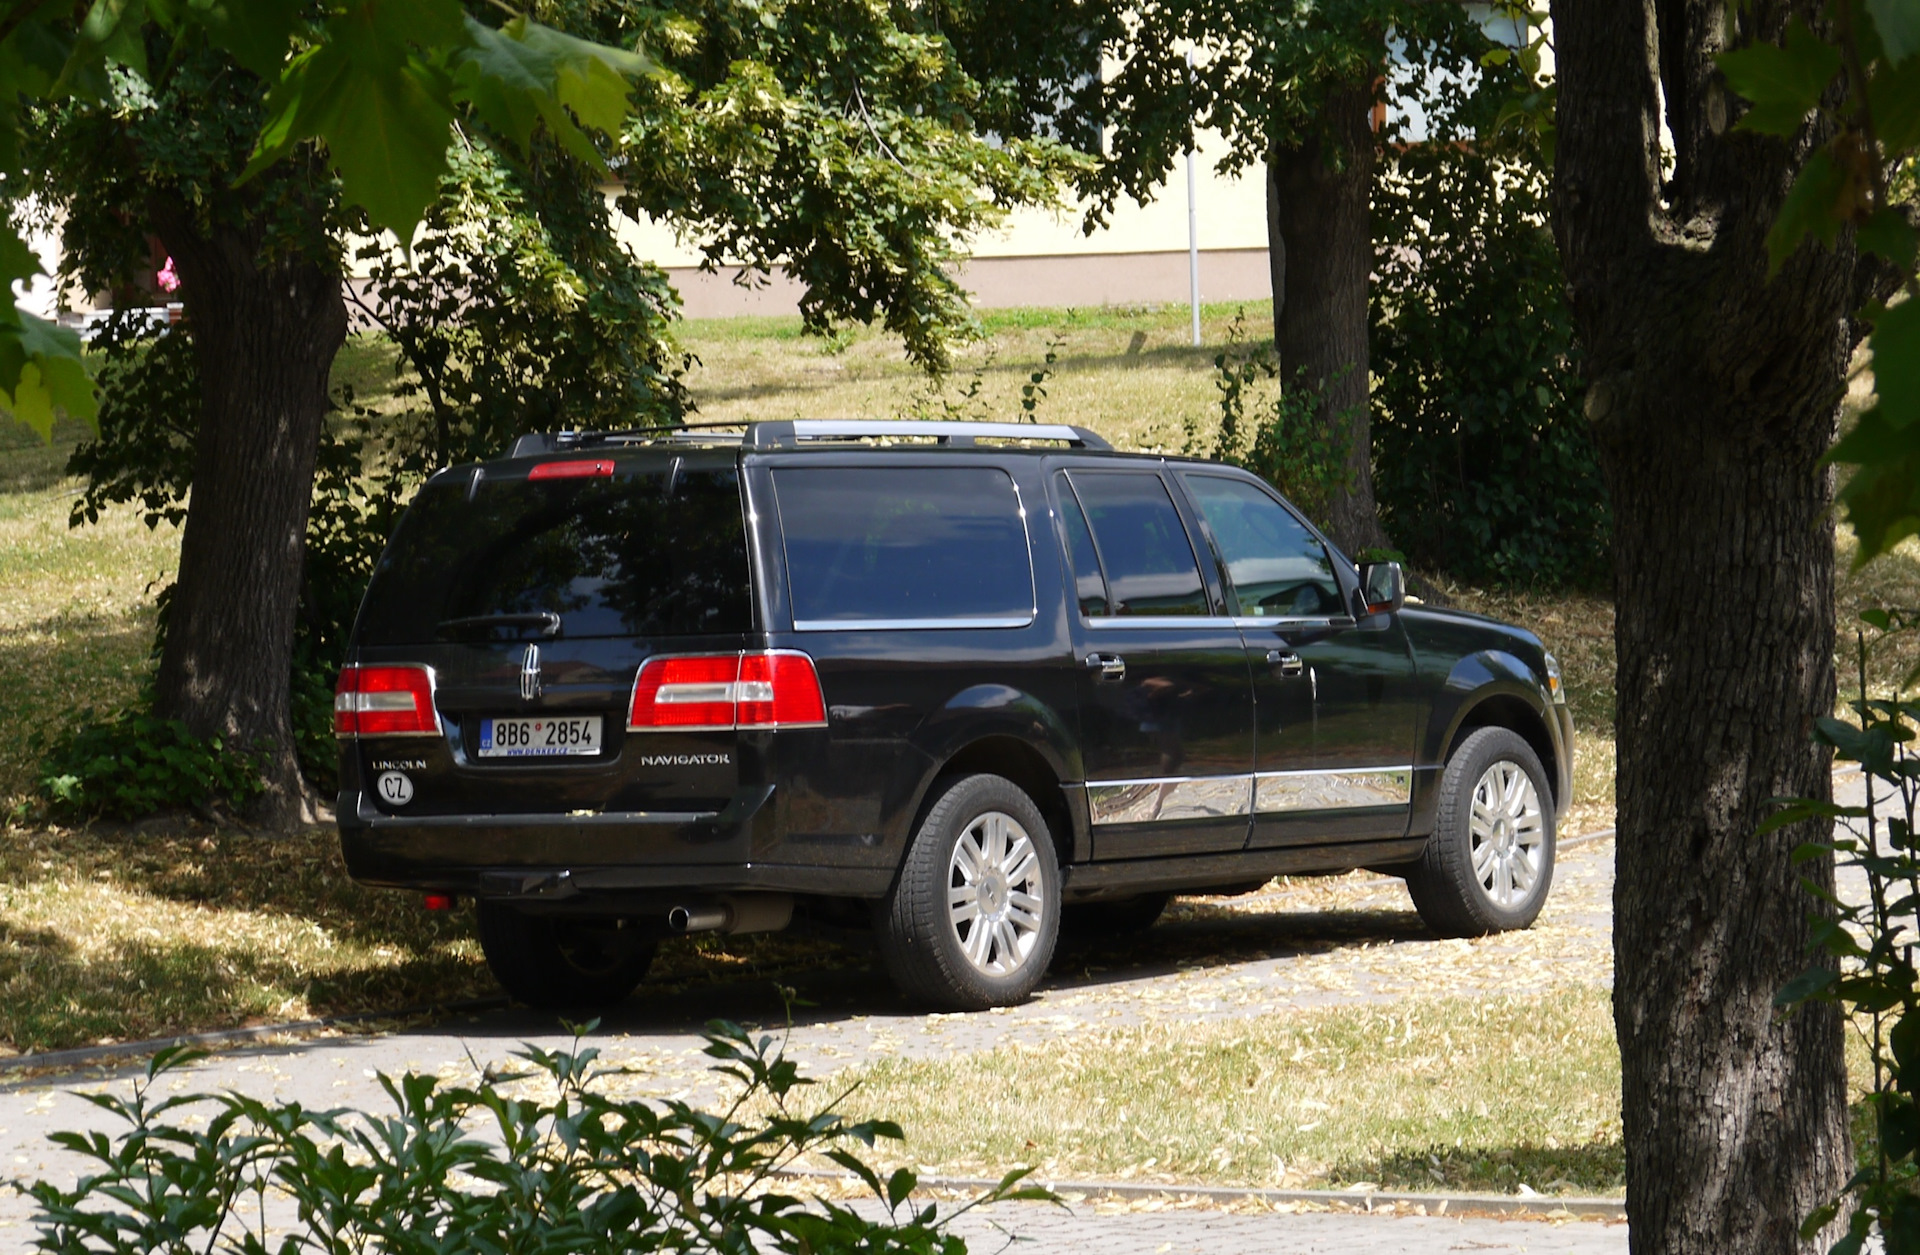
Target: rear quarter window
(904, 546)
(644, 552)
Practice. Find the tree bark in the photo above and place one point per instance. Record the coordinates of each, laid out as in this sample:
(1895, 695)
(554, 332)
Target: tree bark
(1713, 393)
(265, 332)
(1320, 248)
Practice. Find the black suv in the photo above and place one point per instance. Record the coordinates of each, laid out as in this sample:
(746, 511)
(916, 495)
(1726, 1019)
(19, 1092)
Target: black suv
(964, 679)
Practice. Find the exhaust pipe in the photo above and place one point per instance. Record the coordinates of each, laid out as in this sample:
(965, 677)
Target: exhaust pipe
(699, 919)
(742, 913)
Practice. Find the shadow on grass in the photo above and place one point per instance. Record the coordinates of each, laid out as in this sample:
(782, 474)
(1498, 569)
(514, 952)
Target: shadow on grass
(53, 669)
(53, 996)
(30, 464)
(1592, 1168)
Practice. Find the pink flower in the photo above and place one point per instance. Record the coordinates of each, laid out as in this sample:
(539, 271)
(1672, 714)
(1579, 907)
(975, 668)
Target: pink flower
(167, 279)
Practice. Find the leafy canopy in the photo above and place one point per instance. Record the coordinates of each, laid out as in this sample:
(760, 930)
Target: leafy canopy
(1860, 82)
(377, 82)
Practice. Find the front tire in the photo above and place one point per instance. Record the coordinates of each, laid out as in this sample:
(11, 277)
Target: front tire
(1489, 863)
(560, 962)
(974, 914)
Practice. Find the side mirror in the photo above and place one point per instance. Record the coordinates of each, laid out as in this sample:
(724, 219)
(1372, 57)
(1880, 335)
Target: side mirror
(1383, 587)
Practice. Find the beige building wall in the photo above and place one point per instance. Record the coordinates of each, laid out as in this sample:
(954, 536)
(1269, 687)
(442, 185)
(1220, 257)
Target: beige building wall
(1042, 257)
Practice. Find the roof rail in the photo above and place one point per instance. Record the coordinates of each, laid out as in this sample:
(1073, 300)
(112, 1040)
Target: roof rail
(793, 433)
(537, 443)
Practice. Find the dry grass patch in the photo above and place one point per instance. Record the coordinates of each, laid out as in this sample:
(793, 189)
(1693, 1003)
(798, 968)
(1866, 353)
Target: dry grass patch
(110, 936)
(1457, 1094)
(1131, 374)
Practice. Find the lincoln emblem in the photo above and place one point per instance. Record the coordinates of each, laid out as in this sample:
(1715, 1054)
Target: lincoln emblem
(530, 674)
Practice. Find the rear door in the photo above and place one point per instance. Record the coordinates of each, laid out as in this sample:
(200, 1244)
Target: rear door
(1166, 711)
(534, 589)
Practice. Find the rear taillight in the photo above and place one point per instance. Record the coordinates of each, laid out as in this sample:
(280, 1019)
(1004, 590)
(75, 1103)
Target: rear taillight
(385, 701)
(689, 693)
(778, 689)
(720, 692)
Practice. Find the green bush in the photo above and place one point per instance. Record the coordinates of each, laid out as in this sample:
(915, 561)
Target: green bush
(553, 1165)
(1271, 428)
(1482, 462)
(133, 764)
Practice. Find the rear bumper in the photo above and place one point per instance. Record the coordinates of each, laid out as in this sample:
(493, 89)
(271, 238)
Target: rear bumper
(584, 860)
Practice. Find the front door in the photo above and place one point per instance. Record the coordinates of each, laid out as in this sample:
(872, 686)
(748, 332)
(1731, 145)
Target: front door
(1335, 699)
(1166, 711)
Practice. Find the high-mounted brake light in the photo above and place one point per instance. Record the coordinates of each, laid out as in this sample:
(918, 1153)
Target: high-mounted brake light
(385, 701)
(775, 688)
(580, 468)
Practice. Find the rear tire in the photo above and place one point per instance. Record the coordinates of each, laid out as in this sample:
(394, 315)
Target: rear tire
(1489, 863)
(560, 962)
(974, 914)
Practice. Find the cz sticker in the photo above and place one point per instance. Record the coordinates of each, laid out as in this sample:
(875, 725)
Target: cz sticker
(395, 788)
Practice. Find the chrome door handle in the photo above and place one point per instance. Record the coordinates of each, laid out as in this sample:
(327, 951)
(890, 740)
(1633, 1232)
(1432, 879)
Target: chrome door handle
(1110, 666)
(1288, 662)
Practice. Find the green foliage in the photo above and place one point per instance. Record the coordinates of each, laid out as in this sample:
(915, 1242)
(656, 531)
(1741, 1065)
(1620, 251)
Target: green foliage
(1262, 77)
(1855, 89)
(835, 140)
(1483, 463)
(375, 82)
(517, 309)
(149, 417)
(1269, 427)
(131, 764)
(540, 1162)
(1865, 962)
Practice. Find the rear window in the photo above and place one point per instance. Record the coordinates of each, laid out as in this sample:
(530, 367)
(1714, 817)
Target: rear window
(905, 546)
(644, 552)
(1142, 544)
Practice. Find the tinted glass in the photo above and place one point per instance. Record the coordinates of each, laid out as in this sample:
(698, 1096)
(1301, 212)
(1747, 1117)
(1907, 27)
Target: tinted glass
(640, 553)
(904, 543)
(1275, 564)
(1143, 546)
(1090, 587)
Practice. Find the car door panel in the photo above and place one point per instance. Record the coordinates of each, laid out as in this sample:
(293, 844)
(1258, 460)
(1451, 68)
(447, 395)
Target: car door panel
(1166, 709)
(1335, 700)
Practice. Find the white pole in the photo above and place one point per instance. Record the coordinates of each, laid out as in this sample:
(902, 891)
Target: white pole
(1193, 229)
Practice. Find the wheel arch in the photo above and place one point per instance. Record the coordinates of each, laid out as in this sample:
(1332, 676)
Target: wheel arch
(1001, 754)
(1515, 714)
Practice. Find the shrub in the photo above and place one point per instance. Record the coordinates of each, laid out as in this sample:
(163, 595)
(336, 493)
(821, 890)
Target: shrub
(133, 764)
(558, 1165)
(1270, 427)
(1482, 462)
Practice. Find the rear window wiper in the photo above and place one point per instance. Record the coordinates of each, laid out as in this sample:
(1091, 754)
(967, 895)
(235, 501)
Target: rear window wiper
(546, 621)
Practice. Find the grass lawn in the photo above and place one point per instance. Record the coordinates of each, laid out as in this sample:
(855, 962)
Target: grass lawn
(110, 934)
(1430, 1094)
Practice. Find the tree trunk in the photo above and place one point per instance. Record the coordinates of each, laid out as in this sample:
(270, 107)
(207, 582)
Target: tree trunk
(1713, 394)
(265, 331)
(1320, 247)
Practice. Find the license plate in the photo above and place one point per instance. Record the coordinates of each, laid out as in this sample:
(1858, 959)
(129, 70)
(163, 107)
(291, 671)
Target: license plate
(540, 738)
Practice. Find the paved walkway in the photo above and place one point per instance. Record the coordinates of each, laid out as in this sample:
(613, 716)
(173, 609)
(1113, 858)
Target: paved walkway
(1319, 942)
(1044, 1230)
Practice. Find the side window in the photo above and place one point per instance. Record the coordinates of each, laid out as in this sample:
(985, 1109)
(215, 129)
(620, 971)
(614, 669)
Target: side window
(905, 545)
(1276, 566)
(1090, 587)
(1142, 544)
